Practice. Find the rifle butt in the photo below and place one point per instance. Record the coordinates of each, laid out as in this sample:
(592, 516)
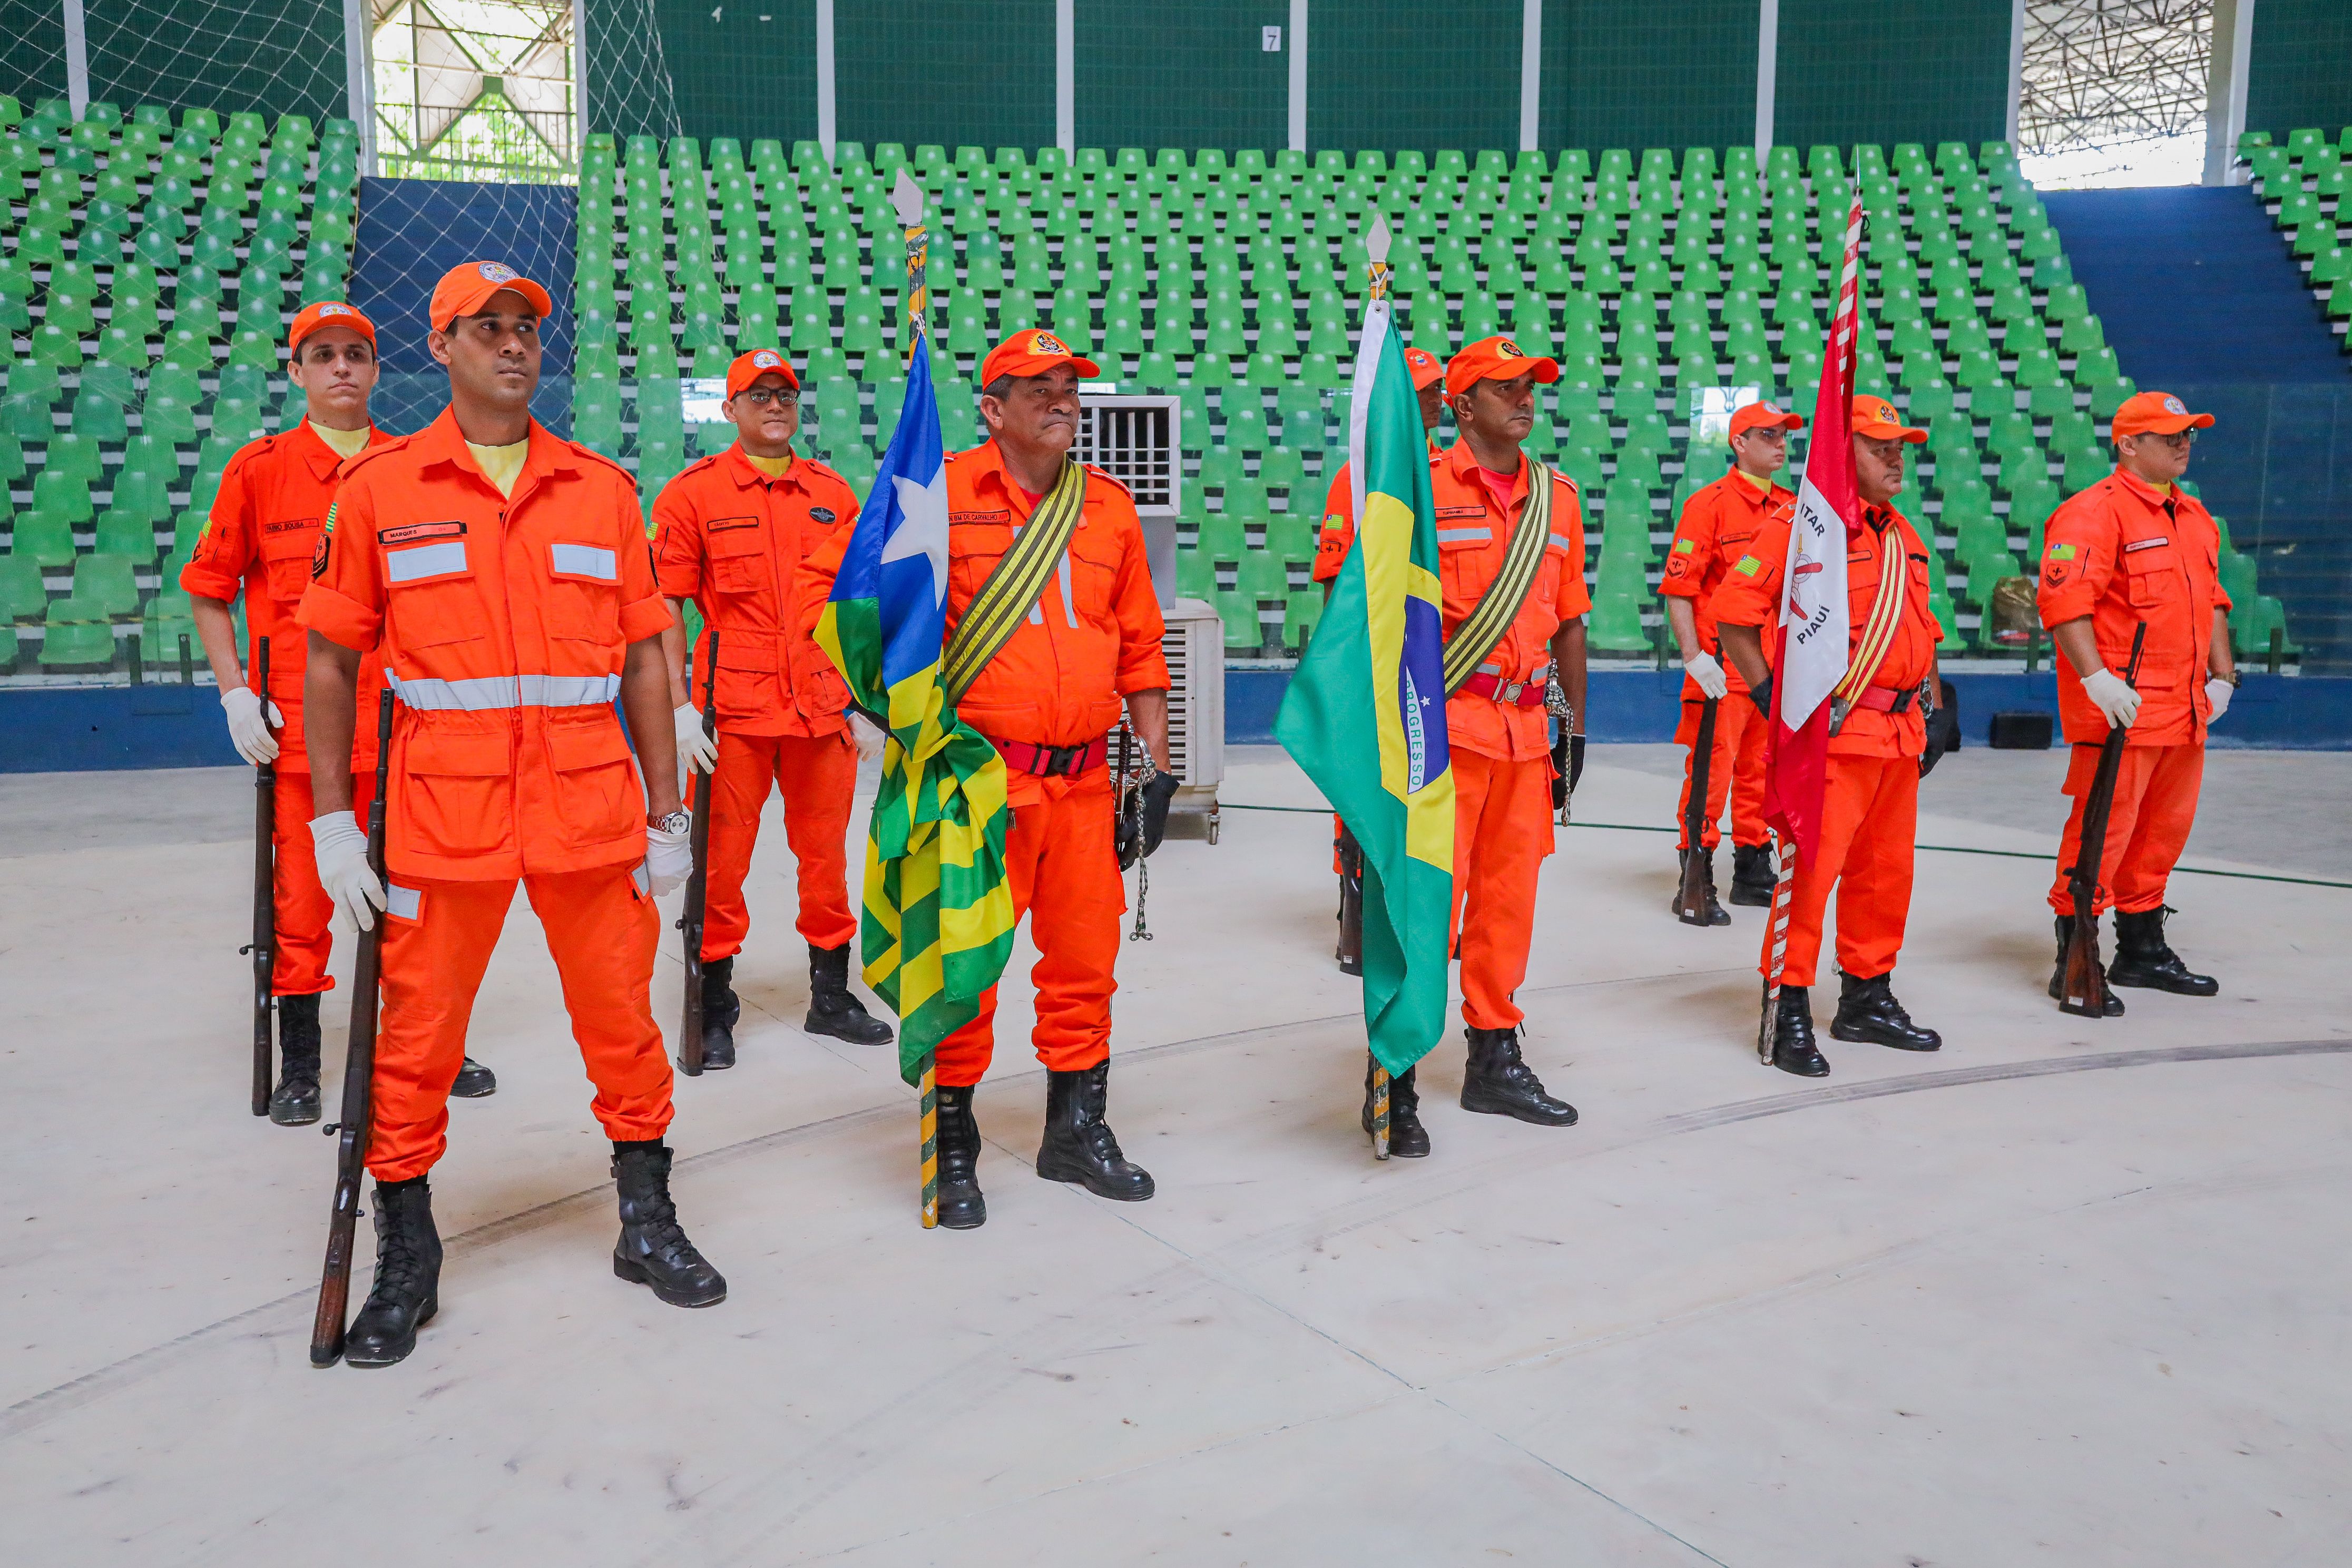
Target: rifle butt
(335, 1280)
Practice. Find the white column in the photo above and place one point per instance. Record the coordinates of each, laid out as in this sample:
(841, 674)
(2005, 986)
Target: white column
(1298, 75)
(826, 123)
(1767, 73)
(358, 83)
(2016, 68)
(578, 78)
(2225, 93)
(76, 58)
(1066, 76)
(1531, 75)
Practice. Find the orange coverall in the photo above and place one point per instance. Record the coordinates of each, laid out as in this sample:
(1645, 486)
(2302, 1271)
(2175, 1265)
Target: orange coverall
(1871, 806)
(2122, 553)
(509, 618)
(1092, 640)
(1502, 752)
(258, 540)
(732, 540)
(1717, 526)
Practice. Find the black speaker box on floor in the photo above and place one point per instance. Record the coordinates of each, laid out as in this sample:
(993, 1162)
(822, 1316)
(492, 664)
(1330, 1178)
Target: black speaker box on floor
(2020, 731)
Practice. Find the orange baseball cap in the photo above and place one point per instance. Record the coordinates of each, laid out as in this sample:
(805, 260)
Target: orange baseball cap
(1876, 417)
(2158, 413)
(1762, 416)
(748, 368)
(466, 289)
(327, 313)
(1427, 367)
(1494, 359)
(1033, 352)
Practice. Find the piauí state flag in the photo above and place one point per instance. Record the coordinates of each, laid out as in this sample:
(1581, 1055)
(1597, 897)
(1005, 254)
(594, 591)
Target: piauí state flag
(1815, 639)
(938, 918)
(1365, 714)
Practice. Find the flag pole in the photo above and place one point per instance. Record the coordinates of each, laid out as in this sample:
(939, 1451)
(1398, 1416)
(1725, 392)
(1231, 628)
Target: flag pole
(1376, 245)
(914, 306)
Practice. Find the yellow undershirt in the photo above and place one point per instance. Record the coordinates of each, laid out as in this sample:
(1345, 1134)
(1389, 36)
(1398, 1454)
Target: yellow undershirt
(344, 443)
(501, 465)
(1762, 487)
(774, 468)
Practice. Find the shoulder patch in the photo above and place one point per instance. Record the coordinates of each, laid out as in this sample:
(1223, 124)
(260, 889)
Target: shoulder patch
(1749, 565)
(1686, 546)
(2061, 552)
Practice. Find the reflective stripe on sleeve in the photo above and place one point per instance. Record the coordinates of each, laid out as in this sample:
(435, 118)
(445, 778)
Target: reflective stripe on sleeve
(586, 561)
(424, 561)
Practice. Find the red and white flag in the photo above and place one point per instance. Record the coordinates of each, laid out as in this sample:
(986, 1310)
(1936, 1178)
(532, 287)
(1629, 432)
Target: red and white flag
(1814, 635)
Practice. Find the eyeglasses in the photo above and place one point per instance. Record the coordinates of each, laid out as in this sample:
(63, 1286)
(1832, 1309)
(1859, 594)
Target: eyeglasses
(2179, 440)
(760, 396)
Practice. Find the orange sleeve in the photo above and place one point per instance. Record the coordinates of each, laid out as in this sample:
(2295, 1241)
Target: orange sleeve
(1143, 664)
(345, 601)
(2078, 557)
(1692, 547)
(644, 613)
(1338, 526)
(1750, 594)
(1568, 530)
(678, 542)
(813, 584)
(225, 551)
(2221, 600)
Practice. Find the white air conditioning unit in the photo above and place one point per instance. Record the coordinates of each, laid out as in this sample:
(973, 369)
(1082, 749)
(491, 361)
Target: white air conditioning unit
(1135, 439)
(1195, 647)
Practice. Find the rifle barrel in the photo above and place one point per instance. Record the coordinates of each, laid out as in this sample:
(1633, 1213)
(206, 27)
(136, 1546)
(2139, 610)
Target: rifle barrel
(694, 915)
(265, 896)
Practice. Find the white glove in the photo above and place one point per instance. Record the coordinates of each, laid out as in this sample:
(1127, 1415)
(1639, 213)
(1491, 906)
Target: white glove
(2217, 692)
(669, 858)
(1705, 669)
(865, 735)
(2119, 701)
(695, 750)
(341, 850)
(247, 731)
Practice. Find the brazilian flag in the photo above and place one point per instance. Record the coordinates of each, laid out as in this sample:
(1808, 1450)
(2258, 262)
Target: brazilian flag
(1365, 714)
(937, 926)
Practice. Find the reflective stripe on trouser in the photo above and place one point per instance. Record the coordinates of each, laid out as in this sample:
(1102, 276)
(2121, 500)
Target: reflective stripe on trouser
(818, 777)
(1870, 814)
(1502, 831)
(1736, 773)
(305, 939)
(601, 933)
(2147, 826)
(1064, 876)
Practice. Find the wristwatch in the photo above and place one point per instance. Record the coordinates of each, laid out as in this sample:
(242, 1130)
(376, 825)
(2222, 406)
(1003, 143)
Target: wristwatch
(2233, 678)
(675, 822)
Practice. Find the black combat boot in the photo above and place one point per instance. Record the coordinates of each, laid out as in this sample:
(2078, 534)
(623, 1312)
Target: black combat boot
(2144, 958)
(1079, 1145)
(1716, 915)
(1752, 875)
(1868, 1011)
(721, 1008)
(1793, 1049)
(1408, 1140)
(407, 1288)
(961, 1206)
(832, 1010)
(2115, 1007)
(296, 1103)
(474, 1082)
(652, 1249)
(1497, 1082)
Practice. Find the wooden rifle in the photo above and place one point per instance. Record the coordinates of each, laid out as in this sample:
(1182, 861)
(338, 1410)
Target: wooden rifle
(1690, 904)
(691, 915)
(265, 896)
(2085, 990)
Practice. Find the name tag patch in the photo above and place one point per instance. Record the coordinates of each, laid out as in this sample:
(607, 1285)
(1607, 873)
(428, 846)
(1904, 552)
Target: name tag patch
(719, 524)
(424, 561)
(585, 560)
(2148, 543)
(1446, 511)
(290, 525)
(416, 530)
(956, 517)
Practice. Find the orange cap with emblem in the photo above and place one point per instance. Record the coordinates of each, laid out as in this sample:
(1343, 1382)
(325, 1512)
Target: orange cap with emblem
(466, 288)
(1762, 416)
(327, 313)
(1427, 369)
(1876, 418)
(2157, 413)
(748, 368)
(1033, 352)
(1494, 359)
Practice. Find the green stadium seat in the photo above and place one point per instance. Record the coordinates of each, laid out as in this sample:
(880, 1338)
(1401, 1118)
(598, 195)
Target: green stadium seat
(45, 538)
(76, 636)
(22, 595)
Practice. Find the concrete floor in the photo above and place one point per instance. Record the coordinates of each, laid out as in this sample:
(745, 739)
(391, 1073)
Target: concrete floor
(2070, 1292)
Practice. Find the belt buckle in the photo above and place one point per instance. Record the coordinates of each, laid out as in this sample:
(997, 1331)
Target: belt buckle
(1061, 761)
(1510, 692)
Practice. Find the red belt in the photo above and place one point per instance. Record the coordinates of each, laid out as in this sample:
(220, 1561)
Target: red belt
(1528, 693)
(1053, 761)
(1886, 699)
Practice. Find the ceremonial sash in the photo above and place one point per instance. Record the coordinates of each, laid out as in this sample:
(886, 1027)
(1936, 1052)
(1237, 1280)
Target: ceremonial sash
(1004, 600)
(1484, 627)
(1878, 628)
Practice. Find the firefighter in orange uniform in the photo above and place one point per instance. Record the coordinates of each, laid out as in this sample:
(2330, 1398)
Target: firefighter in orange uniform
(1048, 700)
(1496, 724)
(264, 524)
(730, 533)
(1719, 523)
(2137, 549)
(1877, 751)
(509, 574)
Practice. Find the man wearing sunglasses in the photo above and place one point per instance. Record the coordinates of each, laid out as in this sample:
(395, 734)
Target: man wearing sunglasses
(2136, 550)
